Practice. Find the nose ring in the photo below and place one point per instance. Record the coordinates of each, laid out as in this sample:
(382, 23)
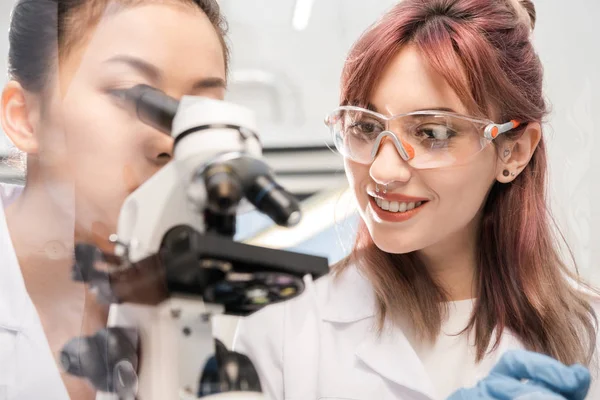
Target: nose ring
(377, 188)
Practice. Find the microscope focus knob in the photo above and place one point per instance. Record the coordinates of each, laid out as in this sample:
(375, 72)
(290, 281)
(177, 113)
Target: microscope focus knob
(109, 359)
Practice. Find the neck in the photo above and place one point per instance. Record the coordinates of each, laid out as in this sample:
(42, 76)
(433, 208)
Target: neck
(41, 224)
(453, 262)
(41, 221)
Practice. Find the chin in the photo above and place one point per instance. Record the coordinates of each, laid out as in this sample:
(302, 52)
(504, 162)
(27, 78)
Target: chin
(394, 243)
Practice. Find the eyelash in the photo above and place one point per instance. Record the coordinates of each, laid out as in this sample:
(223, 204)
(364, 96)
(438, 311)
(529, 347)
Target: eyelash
(116, 90)
(116, 95)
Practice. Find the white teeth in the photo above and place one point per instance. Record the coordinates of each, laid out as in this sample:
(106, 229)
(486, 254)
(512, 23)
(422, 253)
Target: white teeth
(395, 206)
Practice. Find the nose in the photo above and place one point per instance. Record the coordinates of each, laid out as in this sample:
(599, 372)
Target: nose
(405, 149)
(388, 166)
(159, 149)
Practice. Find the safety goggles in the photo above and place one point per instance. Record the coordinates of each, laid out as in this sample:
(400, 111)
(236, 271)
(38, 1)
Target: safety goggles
(424, 139)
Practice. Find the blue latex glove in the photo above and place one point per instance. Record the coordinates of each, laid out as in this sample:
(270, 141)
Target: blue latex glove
(524, 375)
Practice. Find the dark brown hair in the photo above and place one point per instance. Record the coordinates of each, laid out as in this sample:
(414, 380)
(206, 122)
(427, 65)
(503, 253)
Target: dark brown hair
(42, 31)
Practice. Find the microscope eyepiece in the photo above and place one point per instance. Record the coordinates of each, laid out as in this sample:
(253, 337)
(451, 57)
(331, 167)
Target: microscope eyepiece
(223, 189)
(271, 199)
(152, 106)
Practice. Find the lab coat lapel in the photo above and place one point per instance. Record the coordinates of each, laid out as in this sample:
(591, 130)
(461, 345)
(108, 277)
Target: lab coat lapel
(350, 298)
(12, 288)
(390, 354)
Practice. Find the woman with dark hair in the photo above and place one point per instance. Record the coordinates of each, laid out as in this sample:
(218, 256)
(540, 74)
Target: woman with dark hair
(455, 262)
(85, 155)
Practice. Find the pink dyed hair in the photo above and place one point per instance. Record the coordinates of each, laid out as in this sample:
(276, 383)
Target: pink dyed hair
(483, 50)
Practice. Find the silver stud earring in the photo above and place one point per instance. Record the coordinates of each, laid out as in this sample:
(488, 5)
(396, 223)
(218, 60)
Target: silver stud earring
(512, 174)
(376, 188)
(384, 189)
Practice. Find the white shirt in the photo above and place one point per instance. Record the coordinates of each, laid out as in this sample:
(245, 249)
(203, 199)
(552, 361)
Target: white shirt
(323, 345)
(27, 368)
(450, 361)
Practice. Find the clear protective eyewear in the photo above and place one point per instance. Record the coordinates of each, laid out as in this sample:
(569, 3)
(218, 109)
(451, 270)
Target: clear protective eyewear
(424, 139)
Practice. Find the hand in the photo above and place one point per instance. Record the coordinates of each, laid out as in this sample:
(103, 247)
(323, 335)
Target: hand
(524, 375)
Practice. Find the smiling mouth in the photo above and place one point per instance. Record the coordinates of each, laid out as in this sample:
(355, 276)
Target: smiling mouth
(397, 206)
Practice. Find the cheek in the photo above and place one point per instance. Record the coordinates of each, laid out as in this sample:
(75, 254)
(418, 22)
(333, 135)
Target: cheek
(358, 179)
(53, 148)
(98, 132)
(462, 191)
(104, 150)
(350, 173)
(93, 125)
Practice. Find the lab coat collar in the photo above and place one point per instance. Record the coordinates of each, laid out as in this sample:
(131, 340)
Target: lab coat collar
(12, 287)
(9, 320)
(390, 354)
(349, 297)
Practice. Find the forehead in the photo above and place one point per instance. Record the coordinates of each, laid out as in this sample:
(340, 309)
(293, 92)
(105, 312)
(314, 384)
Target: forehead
(167, 35)
(409, 83)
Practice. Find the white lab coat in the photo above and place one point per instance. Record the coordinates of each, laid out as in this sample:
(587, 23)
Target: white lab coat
(323, 346)
(27, 369)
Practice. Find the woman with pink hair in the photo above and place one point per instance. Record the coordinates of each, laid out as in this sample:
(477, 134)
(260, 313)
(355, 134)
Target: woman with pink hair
(455, 286)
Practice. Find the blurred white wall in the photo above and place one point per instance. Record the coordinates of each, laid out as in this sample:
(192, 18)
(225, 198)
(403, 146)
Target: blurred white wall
(305, 64)
(567, 42)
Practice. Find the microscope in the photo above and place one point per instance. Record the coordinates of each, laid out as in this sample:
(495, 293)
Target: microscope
(176, 264)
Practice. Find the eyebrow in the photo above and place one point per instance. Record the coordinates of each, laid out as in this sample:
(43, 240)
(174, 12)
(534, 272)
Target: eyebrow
(447, 109)
(154, 74)
(371, 106)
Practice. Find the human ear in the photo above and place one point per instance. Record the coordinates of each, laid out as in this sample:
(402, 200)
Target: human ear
(18, 112)
(515, 154)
